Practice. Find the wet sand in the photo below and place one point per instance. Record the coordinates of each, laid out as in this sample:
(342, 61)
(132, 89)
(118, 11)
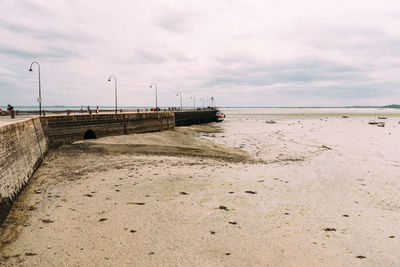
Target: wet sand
(301, 192)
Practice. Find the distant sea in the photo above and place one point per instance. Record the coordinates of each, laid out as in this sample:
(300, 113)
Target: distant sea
(294, 109)
(55, 108)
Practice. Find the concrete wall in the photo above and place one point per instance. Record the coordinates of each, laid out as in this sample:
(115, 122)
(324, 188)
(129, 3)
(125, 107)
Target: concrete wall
(62, 130)
(185, 118)
(22, 148)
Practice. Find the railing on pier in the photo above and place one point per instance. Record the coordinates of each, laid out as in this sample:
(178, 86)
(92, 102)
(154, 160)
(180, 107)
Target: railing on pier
(96, 111)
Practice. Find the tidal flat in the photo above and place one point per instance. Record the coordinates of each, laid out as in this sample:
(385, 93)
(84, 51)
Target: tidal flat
(314, 190)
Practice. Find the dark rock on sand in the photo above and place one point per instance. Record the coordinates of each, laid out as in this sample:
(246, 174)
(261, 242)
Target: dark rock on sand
(30, 254)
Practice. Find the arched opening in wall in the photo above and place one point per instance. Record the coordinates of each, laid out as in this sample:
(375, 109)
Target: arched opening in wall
(89, 134)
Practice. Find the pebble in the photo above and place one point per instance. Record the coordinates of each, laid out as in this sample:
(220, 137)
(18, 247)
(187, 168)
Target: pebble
(223, 208)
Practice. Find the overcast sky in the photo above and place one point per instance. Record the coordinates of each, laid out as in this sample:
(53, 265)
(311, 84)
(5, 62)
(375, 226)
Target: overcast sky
(242, 52)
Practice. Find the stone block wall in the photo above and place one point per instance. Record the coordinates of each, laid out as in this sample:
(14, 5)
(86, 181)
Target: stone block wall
(186, 118)
(22, 148)
(62, 130)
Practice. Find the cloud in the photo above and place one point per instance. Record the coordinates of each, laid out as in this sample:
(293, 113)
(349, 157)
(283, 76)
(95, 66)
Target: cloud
(238, 71)
(4, 71)
(244, 53)
(50, 52)
(148, 57)
(48, 33)
(174, 22)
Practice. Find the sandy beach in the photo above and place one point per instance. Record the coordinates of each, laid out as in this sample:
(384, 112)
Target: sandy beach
(313, 189)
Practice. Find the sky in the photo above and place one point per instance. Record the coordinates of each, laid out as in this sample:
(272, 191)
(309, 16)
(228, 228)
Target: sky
(242, 52)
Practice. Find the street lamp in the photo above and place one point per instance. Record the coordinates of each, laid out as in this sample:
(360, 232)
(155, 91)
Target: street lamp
(115, 89)
(155, 86)
(40, 90)
(179, 93)
(194, 101)
(203, 101)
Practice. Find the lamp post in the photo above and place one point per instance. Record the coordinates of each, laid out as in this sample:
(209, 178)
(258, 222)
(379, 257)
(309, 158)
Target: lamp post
(115, 89)
(194, 101)
(179, 93)
(203, 101)
(155, 86)
(40, 90)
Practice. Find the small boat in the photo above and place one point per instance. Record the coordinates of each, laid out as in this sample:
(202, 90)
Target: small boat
(373, 122)
(219, 116)
(381, 124)
(270, 121)
(345, 117)
(382, 118)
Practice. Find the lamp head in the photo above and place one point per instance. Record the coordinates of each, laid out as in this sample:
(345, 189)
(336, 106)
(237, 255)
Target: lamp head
(109, 80)
(151, 86)
(30, 69)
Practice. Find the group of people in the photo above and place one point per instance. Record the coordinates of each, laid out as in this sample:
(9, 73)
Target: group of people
(9, 109)
(89, 110)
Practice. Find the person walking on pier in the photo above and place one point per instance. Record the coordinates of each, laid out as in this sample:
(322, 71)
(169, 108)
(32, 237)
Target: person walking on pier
(9, 108)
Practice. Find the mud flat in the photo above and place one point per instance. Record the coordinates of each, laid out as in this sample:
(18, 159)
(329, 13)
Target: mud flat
(310, 192)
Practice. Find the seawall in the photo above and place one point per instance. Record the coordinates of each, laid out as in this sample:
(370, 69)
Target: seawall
(185, 118)
(24, 144)
(61, 130)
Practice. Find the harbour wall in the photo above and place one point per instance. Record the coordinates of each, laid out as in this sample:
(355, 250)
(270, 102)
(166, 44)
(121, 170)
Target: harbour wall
(61, 130)
(186, 118)
(24, 144)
